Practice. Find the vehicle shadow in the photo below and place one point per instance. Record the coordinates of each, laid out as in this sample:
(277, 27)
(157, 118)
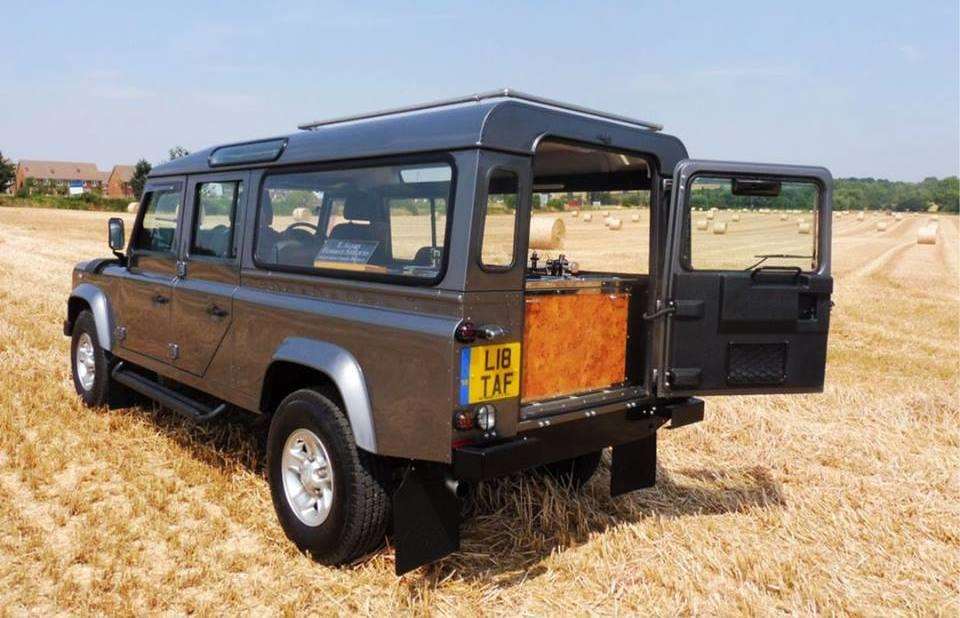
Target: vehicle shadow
(518, 521)
(235, 440)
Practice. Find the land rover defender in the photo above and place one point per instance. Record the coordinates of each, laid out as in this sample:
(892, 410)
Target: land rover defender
(388, 289)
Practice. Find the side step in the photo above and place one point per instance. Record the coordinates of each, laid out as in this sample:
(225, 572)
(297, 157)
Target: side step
(168, 398)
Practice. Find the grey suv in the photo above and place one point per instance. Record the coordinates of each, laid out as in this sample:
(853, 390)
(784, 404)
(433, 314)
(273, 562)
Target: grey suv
(388, 291)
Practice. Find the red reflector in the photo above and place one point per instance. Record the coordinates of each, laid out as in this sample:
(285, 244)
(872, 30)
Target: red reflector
(463, 420)
(466, 332)
(459, 443)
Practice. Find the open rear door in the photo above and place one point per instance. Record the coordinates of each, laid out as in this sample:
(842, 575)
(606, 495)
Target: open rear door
(744, 296)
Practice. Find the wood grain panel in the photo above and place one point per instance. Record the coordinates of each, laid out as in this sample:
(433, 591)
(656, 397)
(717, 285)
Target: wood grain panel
(573, 343)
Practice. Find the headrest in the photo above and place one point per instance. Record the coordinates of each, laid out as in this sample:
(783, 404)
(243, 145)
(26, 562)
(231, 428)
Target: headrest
(360, 207)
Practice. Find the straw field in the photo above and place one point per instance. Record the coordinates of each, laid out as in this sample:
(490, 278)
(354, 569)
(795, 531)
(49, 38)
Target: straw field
(842, 502)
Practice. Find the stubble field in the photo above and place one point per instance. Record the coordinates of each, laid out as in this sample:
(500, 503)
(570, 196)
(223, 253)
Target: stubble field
(842, 502)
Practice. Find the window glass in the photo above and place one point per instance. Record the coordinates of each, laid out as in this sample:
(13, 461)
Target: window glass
(603, 231)
(415, 224)
(159, 222)
(215, 216)
(500, 220)
(385, 220)
(738, 224)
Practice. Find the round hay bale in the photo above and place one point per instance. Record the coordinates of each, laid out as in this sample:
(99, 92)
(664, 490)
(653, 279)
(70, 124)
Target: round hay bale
(927, 235)
(574, 213)
(133, 206)
(588, 217)
(719, 227)
(301, 214)
(635, 217)
(605, 214)
(881, 226)
(934, 218)
(898, 216)
(614, 224)
(701, 224)
(547, 232)
(711, 215)
(859, 216)
(783, 217)
(735, 217)
(803, 228)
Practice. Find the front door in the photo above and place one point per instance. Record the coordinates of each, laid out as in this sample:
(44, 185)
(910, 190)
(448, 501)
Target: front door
(146, 294)
(203, 295)
(744, 297)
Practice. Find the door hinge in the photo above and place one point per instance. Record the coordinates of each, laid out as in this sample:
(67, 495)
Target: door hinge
(173, 351)
(181, 268)
(671, 307)
(667, 184)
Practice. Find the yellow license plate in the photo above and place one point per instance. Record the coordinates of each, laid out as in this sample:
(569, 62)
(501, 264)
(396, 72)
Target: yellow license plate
(489, 372)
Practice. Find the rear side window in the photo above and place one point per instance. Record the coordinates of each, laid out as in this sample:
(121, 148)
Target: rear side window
(500, 221)
(216, 213)
(159, 226)
(384, 221)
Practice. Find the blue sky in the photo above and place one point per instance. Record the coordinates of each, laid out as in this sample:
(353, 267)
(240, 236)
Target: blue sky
(865, 88)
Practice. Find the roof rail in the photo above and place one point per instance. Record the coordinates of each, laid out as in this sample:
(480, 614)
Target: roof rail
(493, 94)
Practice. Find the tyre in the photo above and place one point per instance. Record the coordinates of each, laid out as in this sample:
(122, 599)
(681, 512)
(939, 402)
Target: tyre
(89, 362)
(574, 472)
(331, 498)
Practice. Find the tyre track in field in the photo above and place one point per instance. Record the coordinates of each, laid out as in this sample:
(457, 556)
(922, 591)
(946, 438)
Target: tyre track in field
(948, 245)
(880, 261)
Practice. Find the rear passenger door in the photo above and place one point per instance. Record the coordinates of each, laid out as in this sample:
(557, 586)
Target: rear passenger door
(145, 297)
(744, 296)
(209, 269)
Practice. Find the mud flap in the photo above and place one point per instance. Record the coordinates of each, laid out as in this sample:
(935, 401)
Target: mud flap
(634, 465)
(426, 518)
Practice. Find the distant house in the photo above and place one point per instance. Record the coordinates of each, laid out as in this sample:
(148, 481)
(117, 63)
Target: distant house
(117, 183)
(57, 176)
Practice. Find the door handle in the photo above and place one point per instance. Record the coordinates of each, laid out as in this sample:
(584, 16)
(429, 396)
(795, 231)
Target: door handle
(160, 299)
(217, 311)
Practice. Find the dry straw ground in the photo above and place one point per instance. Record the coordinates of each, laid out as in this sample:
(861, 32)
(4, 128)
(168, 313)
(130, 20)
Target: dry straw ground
(842, 502)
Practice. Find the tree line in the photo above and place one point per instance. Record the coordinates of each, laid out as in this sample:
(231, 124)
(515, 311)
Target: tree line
(882, 194)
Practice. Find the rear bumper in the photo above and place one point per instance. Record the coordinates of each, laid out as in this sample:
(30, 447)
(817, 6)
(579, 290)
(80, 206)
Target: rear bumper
(570, 439)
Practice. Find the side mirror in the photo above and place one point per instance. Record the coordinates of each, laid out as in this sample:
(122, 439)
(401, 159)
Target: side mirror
(115, 234)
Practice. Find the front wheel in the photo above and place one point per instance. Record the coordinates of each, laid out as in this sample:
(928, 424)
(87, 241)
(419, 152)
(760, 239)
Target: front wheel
(331, 498)
(89, 363)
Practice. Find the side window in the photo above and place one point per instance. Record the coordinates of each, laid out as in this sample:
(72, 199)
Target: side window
(500, 221)
(743, 223)
(216, 213)
(389, 221)
(159, 222)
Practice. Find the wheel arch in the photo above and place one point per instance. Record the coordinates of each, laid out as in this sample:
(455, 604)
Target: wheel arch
(300, 362)
(89, 296)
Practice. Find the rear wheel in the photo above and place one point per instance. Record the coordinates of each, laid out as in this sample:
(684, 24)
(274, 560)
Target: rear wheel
(331, 498)
(574, 472)
(89, 362)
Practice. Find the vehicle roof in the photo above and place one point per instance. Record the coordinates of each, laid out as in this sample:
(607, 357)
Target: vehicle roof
(501, 121)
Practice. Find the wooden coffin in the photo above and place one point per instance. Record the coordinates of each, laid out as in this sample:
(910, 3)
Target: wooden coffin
(573, 343)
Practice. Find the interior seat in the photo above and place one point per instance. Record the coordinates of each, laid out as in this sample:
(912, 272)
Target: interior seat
(365, 223)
